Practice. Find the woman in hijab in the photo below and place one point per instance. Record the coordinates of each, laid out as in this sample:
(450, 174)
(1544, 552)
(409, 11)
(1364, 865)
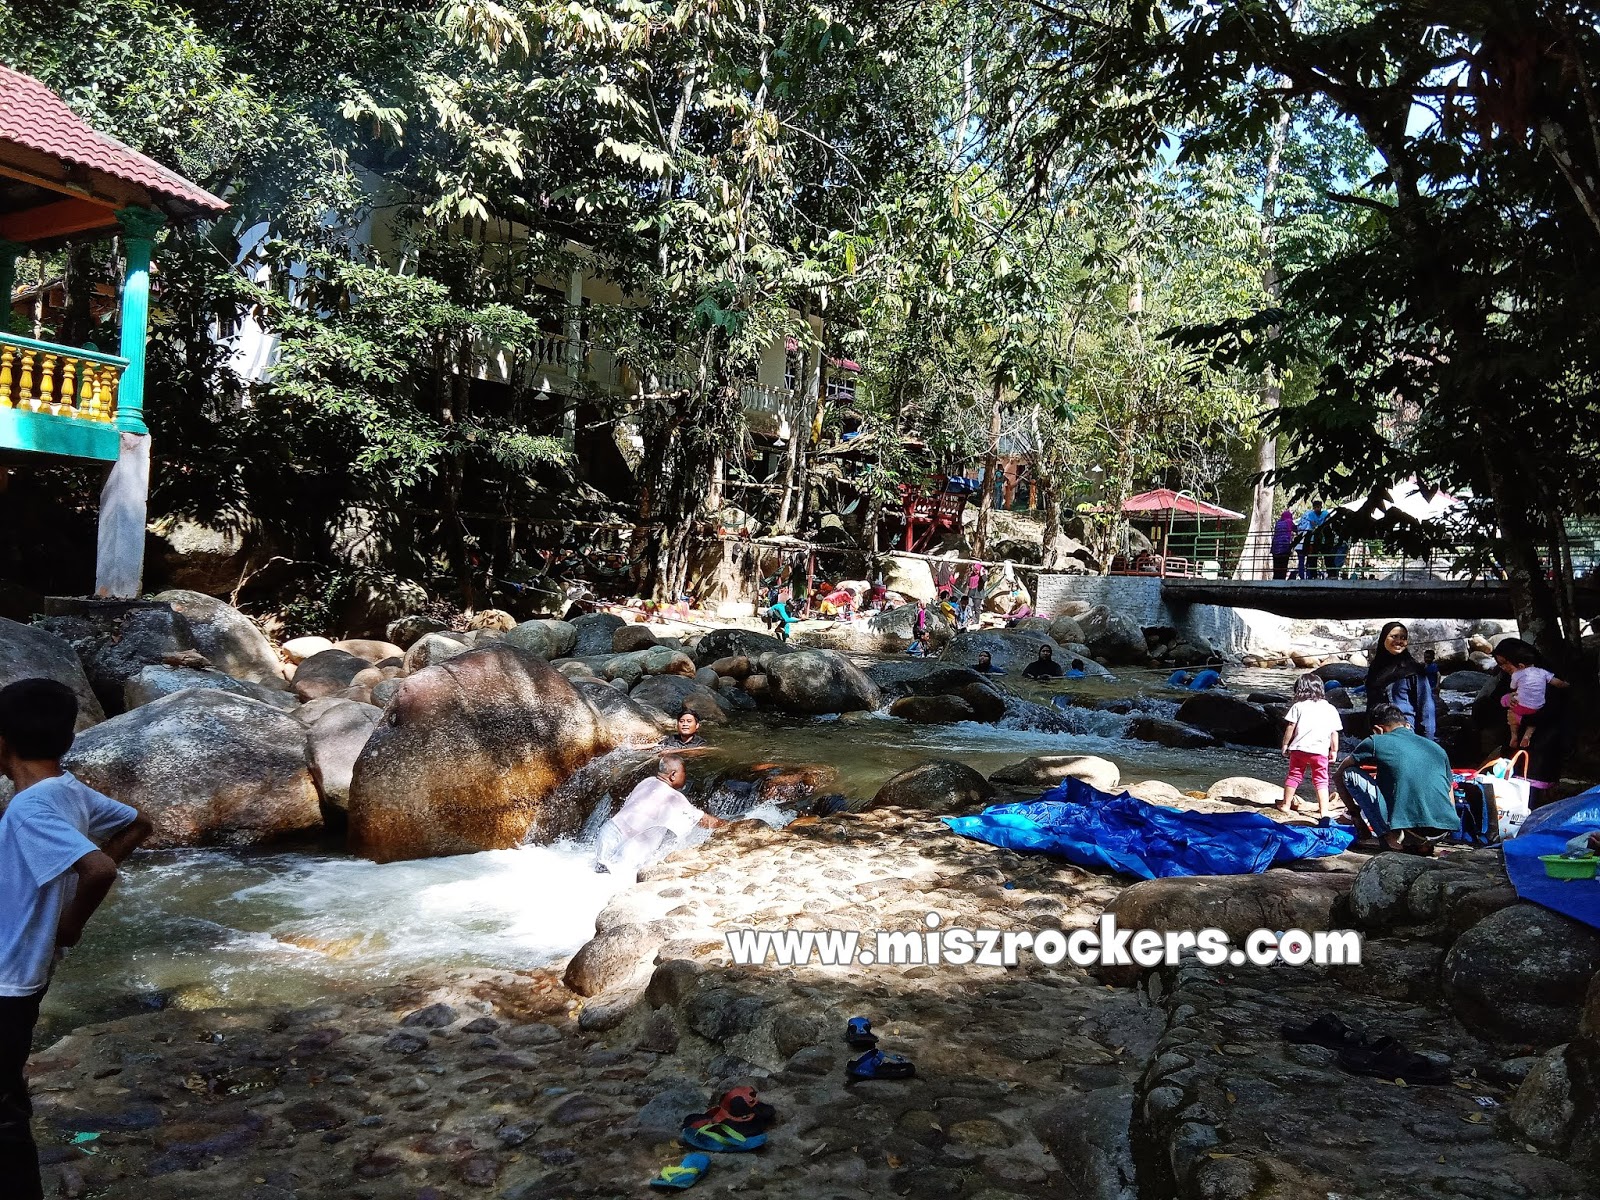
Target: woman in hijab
(1396, 678)
(1283, 535)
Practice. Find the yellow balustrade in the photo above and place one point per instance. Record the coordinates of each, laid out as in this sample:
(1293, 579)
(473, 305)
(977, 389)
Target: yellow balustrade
(58, 380)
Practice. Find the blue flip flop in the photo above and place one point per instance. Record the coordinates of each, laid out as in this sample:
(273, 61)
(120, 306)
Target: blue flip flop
(721, 1139)
(875, 1064)
(858, 1033)
(683, 1176)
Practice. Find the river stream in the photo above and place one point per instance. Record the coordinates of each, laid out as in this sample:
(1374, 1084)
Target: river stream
(291, 926)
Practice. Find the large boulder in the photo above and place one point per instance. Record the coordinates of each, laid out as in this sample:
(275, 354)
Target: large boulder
(594, 632)
(147, 635)
(819, 681)
(228, 638)
(335, 740)
(626, 721)
(406, 630)
(633, 637)
(1174, 734)
(932, 710)
(938, 786)
(1066, 631)
(1345, 674)
(1229, 719)
(911, 577)
(1009, 649)
(372, 650)
(1241, 789)
(1235, 904)
(676, 695)
(1112, 637)
(30, 653)
(469, 757)
(1471, 682)
(206, 766)
(1519, 975)
(732, 643)
(543, 638)
(152, 683)
(326, 674)
(297, 650)
(1046, 770)
(433, 648)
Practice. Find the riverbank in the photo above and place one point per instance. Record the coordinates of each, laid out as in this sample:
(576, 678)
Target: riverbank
(1032, 1081)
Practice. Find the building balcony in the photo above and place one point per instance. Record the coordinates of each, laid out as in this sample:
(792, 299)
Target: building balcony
(58, 399)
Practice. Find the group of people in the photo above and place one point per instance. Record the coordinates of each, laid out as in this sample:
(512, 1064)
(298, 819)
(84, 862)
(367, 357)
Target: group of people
(1310, 539)
(1397, 783)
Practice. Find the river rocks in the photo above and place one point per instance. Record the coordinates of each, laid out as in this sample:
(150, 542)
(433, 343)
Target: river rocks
(433, 648)
(1009, 649)
(931, 710)
(1235, 904)
(151, 683)
(27, 652)
(1169, 733)
(938, 786)
(626, 721)
(911, 577)
(1471, 682)
(468, 755)
(594, 633)
(1046, 770)
(819, 681)
(334, 742)
(1158, 791)
(147, 635)
(326, 674)
(228, 638)
(297, 650)
(1112, 637)
(1379, 898)
(207, 767)
(1343, 673)
(404, 631)
(1520, 974)
(542, 638)
(1230, 719)
(372, 650)
(675, 695)
(632, 637)
(732, 642)
(616, 959)
(1241, 789)
(1066, 631)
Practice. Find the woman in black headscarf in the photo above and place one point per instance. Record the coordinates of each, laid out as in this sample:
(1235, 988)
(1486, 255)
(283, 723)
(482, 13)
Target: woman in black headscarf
(1396, 678)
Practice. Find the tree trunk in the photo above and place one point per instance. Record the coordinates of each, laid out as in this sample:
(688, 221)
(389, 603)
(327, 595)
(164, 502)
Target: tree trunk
(991, 467)
(1052, 522)
(1255, 562)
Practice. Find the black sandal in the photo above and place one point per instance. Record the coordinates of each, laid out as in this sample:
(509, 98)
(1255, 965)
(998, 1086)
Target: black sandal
(1386, 1058)
(1326, 1030)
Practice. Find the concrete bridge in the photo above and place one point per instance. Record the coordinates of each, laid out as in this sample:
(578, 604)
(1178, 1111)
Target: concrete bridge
(1361, 599)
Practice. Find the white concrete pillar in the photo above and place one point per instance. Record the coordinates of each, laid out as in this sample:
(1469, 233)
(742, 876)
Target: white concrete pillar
(119, 553)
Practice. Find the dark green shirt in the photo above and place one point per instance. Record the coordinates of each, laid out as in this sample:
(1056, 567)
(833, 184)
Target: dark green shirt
(1414, 777)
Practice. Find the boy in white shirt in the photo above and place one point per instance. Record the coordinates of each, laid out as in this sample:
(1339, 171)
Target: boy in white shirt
(655, 816)
(1311, 740)
(60, 843)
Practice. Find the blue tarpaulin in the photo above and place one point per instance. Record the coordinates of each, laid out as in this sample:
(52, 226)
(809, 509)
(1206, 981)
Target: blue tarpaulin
(1096, 829)
(1547, 831)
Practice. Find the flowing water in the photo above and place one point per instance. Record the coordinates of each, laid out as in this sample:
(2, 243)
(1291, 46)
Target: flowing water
(220, 928)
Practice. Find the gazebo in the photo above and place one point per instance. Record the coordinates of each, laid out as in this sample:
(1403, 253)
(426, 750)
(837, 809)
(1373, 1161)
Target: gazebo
(1161, 508)
(61, 181)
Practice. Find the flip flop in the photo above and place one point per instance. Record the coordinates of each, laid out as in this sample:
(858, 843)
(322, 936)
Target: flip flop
(1326, 1030)
(738, 1108)
(858, 1033)
(1386, 1058)
(875, 1064)
(683, 1176)
(721, 1139)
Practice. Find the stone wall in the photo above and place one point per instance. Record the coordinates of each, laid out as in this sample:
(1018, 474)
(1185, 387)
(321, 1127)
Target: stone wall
(1230, 630)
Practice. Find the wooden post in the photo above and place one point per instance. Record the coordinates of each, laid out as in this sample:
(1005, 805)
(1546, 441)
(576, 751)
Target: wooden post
(139, 230)
(8, 280)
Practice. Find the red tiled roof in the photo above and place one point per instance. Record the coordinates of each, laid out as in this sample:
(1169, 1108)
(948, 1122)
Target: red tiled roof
(1165, 500)
(32, 115)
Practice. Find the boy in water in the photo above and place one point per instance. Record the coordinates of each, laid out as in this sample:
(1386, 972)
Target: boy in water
(60, 843)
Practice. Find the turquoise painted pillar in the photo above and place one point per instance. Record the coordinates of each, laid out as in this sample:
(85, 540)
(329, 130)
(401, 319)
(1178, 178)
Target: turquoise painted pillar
(9, 251)
(139, 227)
